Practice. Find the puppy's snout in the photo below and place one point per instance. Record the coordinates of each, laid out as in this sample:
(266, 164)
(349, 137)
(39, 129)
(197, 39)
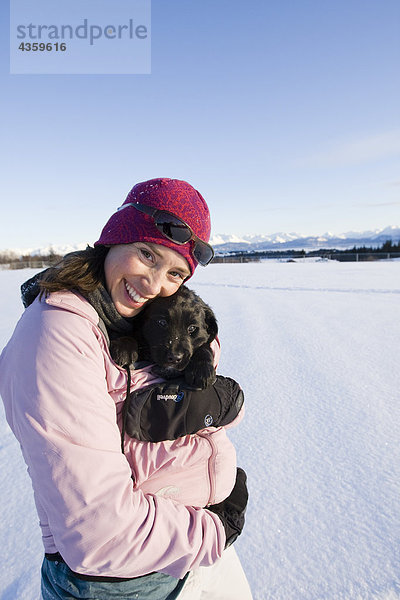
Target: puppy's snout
(174, 358)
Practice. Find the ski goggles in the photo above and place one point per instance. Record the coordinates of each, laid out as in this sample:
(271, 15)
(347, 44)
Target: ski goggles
(175, 230)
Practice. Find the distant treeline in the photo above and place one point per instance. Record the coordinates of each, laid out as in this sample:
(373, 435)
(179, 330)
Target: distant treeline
(388, 246)
(11, 260)
(387, 250)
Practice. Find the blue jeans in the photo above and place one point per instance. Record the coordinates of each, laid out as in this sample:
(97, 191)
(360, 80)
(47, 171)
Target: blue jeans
(60, 583)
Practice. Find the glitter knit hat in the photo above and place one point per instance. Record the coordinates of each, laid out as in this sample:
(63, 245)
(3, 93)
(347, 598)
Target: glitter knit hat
(175, 196)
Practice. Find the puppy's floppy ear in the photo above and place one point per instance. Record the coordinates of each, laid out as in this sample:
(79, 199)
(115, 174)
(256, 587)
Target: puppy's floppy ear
(211, 323)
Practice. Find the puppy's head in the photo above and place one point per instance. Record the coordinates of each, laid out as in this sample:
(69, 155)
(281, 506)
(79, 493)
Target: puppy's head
(175, 327)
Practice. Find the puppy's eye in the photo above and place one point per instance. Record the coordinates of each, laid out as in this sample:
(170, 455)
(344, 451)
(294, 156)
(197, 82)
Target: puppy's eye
(162, 322)
(192, 329)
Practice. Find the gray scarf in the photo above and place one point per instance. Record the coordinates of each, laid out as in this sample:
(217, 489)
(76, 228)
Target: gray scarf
(110, 321)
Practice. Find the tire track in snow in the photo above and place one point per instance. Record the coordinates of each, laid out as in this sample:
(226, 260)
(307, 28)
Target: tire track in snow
(297, 289)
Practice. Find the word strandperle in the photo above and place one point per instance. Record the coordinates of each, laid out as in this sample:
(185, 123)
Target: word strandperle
(85, 31)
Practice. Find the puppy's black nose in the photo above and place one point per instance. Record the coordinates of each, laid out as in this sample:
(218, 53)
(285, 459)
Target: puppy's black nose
(174, 358)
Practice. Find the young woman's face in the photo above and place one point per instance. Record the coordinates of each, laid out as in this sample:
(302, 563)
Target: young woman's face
(136, 273)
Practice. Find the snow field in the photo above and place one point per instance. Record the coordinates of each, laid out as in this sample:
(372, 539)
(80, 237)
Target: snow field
(314, 346)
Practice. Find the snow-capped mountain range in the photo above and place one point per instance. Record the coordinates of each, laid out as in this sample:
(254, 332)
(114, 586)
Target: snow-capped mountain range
(223, 243)
(294, 241)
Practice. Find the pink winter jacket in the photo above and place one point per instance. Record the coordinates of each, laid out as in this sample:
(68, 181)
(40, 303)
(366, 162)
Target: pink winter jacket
(62, 395)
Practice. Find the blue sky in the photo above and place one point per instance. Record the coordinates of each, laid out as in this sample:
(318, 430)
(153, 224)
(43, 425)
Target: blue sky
(284, 114)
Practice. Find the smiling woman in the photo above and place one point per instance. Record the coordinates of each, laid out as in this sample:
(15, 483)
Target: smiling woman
(136, 273)
(103, 535)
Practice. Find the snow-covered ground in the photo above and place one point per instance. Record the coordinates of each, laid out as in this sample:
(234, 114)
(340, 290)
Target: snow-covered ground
(315, 347)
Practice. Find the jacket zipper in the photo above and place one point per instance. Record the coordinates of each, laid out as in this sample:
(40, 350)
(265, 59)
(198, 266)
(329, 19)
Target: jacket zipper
(211, 467)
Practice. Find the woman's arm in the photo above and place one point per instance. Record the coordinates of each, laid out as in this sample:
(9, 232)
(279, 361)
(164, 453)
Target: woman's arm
(65, 419)
(195, 470)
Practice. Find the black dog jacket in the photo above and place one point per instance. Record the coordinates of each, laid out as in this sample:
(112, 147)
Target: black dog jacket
(169, 410)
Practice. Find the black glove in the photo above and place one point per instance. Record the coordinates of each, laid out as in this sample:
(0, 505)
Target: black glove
(231, 510)
(169, 410)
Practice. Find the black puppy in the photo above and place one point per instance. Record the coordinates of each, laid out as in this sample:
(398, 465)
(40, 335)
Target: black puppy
(174, 333)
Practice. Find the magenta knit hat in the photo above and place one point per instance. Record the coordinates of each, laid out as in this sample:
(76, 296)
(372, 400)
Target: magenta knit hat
(178, 197)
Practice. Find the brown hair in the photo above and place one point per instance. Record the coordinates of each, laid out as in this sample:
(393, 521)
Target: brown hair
(82, 271)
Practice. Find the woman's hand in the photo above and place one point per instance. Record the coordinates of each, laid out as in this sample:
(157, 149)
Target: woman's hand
(169, 410)
(231, 511)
